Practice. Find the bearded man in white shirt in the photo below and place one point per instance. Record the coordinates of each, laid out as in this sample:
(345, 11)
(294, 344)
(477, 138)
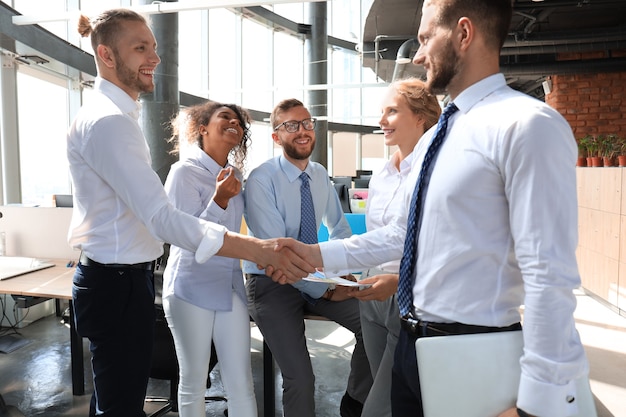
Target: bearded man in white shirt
(498, 219)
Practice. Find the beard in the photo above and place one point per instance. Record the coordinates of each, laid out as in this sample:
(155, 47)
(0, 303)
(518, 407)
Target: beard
(293, 152)
(130, 78)
(442, 74)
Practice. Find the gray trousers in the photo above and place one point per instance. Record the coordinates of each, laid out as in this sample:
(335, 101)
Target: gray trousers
(278, 311)
(380, 324)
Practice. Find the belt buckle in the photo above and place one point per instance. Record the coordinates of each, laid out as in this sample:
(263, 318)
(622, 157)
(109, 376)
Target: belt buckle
(412, 323)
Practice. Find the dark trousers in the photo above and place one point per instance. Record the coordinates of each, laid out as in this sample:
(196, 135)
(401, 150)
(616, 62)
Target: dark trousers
(406, 397)
(114, 309)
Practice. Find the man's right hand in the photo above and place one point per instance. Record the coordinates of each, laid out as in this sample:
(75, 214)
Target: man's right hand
(284, 265)
(310, 252)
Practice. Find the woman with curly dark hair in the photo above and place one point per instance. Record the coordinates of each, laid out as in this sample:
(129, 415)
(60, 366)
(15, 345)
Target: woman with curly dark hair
(205, 303)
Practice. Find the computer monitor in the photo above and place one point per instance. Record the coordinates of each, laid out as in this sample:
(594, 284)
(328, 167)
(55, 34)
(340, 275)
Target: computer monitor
(362, 182)
(63, 200)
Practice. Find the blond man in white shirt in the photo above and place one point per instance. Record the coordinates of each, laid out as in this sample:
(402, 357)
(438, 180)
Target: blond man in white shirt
(122, 216)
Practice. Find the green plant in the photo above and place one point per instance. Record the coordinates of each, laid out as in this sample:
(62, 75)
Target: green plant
(620, 145)
(606, 147)
(592, 145)
(583, 146)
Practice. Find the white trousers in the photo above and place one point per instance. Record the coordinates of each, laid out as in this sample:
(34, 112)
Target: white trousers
(194, 329)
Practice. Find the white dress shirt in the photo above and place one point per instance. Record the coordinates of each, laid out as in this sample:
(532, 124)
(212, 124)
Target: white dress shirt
(272, 197)
(121, 213)
(190, 185)
(385, 200)
(499, 229)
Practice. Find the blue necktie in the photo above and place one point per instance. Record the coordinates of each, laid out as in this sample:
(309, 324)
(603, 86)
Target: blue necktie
(407, 265)
(308, 225)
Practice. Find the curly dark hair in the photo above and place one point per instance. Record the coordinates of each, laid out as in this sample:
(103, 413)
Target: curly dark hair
(186, 126)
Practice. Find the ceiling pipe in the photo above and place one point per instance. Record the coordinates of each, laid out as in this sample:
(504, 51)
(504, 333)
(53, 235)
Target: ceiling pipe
(566, 37)
(589, 66)
(403, 57)
(377, 49)
(596, 45)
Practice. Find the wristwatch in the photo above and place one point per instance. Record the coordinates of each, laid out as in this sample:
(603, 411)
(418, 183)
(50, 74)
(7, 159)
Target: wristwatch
(328, 295)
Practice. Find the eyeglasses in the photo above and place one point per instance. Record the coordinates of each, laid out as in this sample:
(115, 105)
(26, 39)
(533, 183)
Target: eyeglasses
(293, 126)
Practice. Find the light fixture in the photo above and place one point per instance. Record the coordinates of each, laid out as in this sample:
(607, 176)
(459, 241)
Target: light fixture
(35, 58)
(157, 7)
(547, 86)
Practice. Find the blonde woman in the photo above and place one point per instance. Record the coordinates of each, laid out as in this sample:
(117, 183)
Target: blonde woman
(408, 110)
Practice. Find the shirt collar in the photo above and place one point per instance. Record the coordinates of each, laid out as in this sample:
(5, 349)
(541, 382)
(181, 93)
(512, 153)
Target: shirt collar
(478, 91)
(205, 160)
(119, 97)
(291, 171)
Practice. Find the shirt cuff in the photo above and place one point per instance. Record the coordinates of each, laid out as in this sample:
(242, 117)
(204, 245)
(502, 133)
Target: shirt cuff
(211, 242)
(314, 290)
(214, 211)
(334, 258)
(543, 399)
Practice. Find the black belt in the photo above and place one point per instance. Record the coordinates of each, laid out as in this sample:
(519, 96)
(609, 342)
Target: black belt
(428, 328)
(85, 261)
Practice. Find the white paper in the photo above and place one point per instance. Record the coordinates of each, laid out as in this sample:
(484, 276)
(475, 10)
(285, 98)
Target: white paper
(319, 276)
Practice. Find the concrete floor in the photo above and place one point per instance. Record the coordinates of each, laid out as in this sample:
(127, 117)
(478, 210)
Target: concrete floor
(36, 378)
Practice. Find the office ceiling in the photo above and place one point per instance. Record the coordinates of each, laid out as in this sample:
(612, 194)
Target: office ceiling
(547, 37)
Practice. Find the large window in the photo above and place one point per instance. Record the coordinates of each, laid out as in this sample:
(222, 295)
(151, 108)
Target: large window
(223, 56)
(42, 134)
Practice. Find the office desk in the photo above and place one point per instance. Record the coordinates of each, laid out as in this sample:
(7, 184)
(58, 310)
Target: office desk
(54, 282)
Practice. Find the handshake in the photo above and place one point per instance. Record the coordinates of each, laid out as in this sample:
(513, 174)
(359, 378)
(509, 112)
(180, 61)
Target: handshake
(287, 260)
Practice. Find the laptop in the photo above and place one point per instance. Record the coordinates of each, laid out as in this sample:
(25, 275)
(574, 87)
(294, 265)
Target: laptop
(477, 375)
(13, 266)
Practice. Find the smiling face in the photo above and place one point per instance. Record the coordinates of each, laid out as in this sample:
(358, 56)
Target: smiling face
(297, 146)
(131, 62)
(224, 129)
(400, 125)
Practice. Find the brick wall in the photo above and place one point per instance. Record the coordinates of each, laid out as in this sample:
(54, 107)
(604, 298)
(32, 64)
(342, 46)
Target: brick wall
(593, 104)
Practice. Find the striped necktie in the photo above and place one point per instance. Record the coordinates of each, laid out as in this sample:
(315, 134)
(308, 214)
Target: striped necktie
(308, 225)
(407, 264)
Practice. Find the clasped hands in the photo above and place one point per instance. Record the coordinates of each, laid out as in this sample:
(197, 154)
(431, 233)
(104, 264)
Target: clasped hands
(287, 260)
(296, 260)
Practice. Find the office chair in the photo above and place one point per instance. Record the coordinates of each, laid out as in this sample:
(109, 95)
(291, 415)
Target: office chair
(344, 197)
(342, 180)
(363, 182)
(164, 360)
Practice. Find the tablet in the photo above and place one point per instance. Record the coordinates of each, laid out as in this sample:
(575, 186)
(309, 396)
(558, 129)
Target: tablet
(477, 375)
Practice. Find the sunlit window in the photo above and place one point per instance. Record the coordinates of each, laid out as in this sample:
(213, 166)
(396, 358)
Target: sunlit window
(42, 135)
(223, 56)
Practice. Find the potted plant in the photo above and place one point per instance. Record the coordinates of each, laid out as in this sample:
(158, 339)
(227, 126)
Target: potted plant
(582, 144)
(593, 148)
(621, 150)
(607, 149)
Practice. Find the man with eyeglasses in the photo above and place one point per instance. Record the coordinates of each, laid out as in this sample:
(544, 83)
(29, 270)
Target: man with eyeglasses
(274, 209)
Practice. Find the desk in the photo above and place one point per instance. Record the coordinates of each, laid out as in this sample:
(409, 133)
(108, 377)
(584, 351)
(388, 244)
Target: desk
(54, 282)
